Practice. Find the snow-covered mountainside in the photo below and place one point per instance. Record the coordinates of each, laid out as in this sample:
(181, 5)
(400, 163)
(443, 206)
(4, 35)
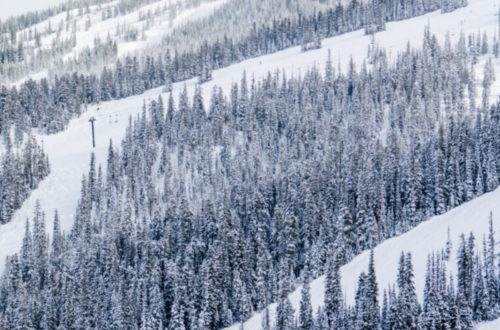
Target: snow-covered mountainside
(71, 35)
(69, 151)
(429, 237)
(92, 34)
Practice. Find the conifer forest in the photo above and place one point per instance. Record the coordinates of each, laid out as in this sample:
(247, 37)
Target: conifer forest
(250, 165)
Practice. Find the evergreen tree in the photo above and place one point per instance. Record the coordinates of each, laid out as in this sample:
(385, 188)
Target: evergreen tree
(306, 321)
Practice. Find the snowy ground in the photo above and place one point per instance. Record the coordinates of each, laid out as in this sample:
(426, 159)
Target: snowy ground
(14, 8)
(155, 34)
(69, 151)
(493, 325)
(99, 28)
(424, 239)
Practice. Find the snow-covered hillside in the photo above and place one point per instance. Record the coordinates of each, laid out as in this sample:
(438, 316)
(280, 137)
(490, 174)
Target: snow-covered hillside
(69, 151)
(163, 23)
(426, 238)
(132, 32)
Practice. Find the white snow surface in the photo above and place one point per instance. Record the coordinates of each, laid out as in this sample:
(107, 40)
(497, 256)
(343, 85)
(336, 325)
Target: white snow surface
(424, 239)
(14, 8)
(69, 151)
(493, 325)
(102, 29)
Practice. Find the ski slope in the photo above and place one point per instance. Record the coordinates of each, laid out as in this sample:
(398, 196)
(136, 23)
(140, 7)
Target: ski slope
(161, 26)
(493, 325)
(69, 151)
(424, 239)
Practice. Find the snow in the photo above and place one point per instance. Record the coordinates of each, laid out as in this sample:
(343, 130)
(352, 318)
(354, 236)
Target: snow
(156, 33)
(424, 239)
(99, 28)
(14, 8)
(493, 325)
(69, 151)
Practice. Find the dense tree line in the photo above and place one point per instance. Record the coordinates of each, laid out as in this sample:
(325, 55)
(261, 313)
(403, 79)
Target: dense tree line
(446, 305)
(13, 25)
(26, 52)
(11, 54)
(50, 106)
(22, 167)
(275, 183)
(337, 17)
(10, 28)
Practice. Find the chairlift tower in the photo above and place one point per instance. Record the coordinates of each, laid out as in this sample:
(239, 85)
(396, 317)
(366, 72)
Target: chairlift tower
(91, 120)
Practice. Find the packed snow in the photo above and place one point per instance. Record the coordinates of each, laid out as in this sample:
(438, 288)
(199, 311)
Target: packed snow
(493, 325)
